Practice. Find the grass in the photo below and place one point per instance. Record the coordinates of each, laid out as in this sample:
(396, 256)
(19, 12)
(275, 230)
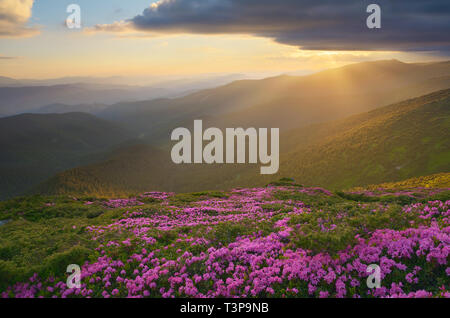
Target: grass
(45, 234)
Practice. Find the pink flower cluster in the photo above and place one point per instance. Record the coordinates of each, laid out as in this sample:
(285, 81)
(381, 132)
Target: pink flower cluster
(256, 265)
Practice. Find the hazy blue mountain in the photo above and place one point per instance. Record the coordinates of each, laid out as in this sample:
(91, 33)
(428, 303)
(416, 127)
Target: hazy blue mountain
(403, 140)
(16, 100)
(34, 147)
(20, 96)
(292, 103)
(63, 109)
(286, 102)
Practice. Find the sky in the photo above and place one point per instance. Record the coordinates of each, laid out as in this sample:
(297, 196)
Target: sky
(189, 37)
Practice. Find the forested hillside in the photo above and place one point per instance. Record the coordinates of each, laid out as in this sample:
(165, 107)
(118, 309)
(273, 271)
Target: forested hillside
(34, 147)
(395, 142)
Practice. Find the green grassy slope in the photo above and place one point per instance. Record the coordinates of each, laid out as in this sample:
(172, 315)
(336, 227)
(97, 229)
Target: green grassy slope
(34, 147)
(43, 234)
(439, 180)
(396, 142)
(126, 171)
(389, 144)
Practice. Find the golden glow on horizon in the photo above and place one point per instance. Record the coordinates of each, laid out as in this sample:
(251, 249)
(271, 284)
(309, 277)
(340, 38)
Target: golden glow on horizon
(63, 54)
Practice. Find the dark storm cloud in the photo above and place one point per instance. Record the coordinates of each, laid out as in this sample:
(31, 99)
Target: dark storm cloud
(311, 24)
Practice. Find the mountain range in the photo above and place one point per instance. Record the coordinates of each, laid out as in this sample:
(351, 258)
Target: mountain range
(360, 124)
(285, 102)
(34, 147)
(391, 143)
(89, 94)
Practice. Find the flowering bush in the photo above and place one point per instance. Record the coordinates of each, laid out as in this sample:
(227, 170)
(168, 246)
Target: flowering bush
(278, 241)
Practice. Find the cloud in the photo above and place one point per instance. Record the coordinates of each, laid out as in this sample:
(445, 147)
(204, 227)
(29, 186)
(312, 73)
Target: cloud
(407, 25)
(123, 29)
(14, 14)
(3, 57)
(116, 27)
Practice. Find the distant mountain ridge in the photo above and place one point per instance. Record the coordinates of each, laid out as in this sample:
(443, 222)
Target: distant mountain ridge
(312, 112)
(391, 143)
(34, 147)
(286, 102)
(64, 109)
(17, 100)
(21, 96)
